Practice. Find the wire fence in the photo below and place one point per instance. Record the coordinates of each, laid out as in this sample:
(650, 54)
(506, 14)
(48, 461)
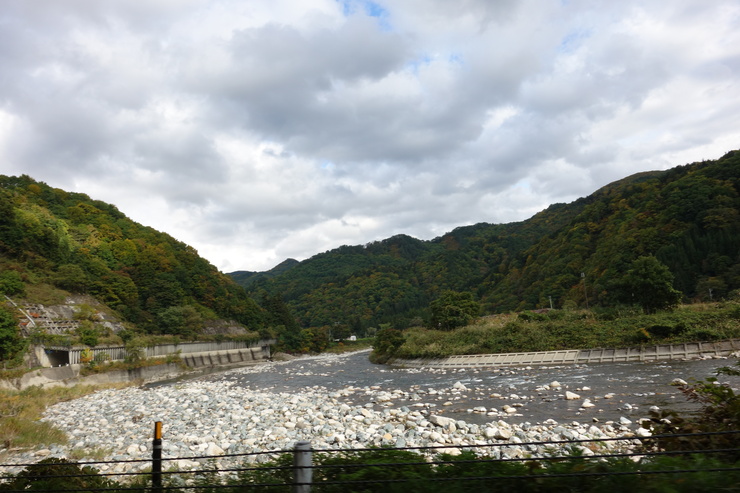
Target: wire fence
(619, 464)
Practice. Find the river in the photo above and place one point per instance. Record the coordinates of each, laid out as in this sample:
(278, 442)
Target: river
(344, 400)
(634, 387)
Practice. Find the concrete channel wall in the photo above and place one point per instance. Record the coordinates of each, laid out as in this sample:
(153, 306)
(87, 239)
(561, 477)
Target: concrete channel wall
(194, 352)
(70, 374)
(575, 356)
(231, 357)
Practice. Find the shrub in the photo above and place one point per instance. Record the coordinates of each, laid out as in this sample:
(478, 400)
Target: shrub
(720, 412)
(135, 348)
(58, 475)
(387, 342)
(88, 333)
(452, 310)
(11, 283)
(11, 342)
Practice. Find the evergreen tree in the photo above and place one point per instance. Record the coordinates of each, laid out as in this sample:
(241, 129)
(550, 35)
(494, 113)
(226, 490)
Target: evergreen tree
(649, 284)
(452, 310)
(280, 318)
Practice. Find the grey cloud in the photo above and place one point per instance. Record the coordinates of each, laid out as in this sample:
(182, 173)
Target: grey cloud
(294, 133)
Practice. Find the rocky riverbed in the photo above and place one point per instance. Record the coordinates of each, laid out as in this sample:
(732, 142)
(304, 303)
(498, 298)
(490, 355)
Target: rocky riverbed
(214, 416)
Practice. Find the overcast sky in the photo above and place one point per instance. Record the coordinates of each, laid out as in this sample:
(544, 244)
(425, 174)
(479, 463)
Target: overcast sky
(261, 130)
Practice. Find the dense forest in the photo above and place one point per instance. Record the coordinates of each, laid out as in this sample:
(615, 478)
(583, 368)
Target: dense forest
(66, 241)
(569, 255)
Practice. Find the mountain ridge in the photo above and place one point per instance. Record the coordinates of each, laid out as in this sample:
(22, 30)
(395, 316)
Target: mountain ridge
(686, 216)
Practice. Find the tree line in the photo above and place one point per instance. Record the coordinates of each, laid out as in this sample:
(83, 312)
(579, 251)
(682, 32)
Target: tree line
(685, 220)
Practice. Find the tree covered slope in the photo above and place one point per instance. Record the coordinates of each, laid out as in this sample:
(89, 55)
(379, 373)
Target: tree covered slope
(569, 253)
(66, 240)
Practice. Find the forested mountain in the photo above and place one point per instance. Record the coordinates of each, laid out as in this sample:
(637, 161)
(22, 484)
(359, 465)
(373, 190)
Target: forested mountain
(50, 237)
(245, 277)
(573, 254)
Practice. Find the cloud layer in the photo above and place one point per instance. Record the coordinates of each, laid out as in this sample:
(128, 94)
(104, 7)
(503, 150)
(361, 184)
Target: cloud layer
(261, 130)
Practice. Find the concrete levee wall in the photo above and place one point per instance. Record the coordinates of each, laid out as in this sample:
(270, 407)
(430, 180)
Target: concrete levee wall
(573, 356)
(73, 356)
(232, 357)
(68, 376)
(200, 347)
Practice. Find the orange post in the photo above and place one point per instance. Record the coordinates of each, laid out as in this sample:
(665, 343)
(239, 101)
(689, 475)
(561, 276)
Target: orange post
(157, 458)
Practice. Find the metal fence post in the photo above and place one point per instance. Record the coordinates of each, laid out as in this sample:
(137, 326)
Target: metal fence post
(302, 472)
(157, 458)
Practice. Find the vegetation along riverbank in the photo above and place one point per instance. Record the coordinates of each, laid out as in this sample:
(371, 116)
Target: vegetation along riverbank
(561, 329)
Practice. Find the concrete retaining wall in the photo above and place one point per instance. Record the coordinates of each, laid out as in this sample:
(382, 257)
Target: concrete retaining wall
(573, 356)
(233, 357)
(54, 356)
(69, 375)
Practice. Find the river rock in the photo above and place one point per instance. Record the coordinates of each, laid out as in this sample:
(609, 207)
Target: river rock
(441, 421)
(243, 420)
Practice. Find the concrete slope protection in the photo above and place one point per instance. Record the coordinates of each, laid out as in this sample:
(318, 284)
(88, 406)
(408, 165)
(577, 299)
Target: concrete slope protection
(660, 352)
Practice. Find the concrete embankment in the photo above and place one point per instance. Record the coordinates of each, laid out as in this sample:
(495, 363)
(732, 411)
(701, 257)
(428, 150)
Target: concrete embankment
(70, 375)
(661, 352)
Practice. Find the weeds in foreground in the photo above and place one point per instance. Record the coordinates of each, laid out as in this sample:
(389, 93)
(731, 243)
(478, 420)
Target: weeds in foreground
(385, 470)
(90, 454)
(20, 412)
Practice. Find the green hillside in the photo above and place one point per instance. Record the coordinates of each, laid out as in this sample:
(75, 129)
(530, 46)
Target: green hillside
(246, 278)
(572, 254)
(54, 242)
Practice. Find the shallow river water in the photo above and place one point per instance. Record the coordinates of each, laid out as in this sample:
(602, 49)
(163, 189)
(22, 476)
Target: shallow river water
(635, 387)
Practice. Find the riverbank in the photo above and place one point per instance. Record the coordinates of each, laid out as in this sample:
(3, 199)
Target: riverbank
(661, 352)
(559, 330)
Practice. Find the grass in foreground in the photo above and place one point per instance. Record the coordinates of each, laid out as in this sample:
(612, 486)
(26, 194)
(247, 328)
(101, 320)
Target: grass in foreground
(20, 412)
(406, 472)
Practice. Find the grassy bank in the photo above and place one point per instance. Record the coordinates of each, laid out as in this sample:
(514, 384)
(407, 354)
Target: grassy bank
(20, 412)
(560, 329)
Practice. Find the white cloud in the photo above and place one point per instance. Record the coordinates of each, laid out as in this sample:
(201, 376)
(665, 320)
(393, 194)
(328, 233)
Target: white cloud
(260, 130)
